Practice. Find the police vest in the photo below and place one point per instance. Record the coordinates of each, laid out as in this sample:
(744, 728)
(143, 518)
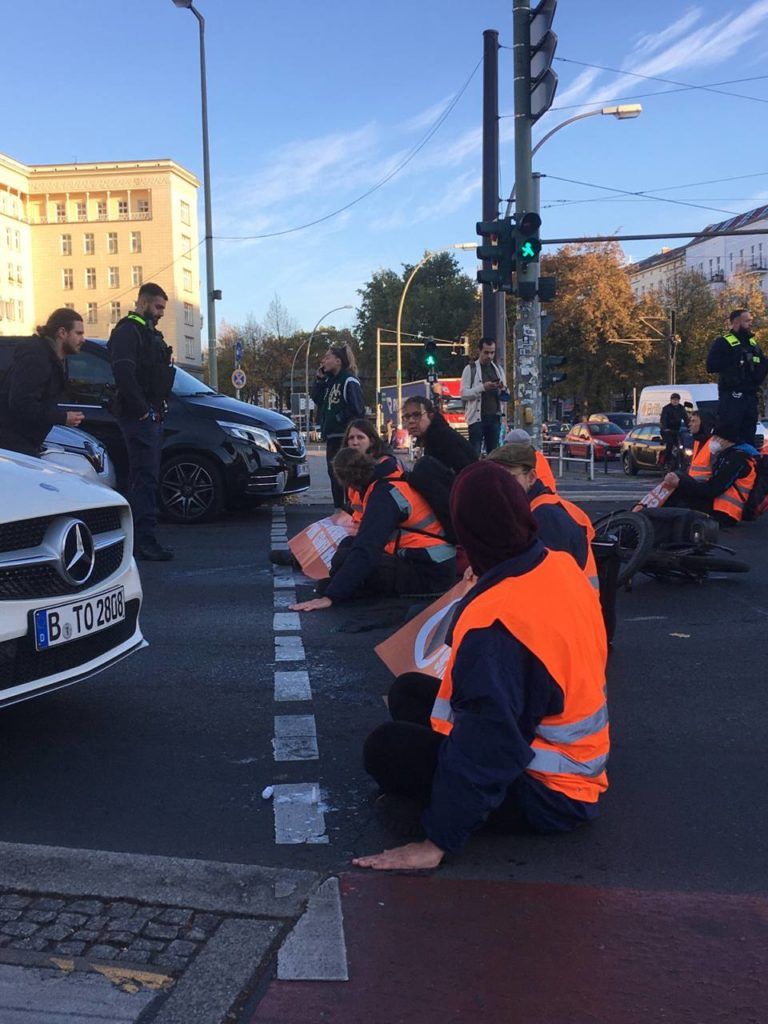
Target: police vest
(570, 750)
(754, 359)
(419, 527)
(155, 371)
(544, 472)
(580, 517)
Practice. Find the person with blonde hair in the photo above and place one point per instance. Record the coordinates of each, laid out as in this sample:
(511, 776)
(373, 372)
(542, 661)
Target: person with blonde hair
(339, 400)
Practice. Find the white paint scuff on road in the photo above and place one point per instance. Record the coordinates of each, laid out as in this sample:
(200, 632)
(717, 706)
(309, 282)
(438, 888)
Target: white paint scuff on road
(292, 686)
(282, 582)
(316, 949)
(295, 738)
(289, 648)
(285, 621)
(299, 814)
(285, 598)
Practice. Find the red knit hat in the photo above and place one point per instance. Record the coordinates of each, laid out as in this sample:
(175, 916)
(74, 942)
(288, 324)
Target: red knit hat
(491, 515)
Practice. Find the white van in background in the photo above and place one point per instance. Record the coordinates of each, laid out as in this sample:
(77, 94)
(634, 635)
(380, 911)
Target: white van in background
(701, 397)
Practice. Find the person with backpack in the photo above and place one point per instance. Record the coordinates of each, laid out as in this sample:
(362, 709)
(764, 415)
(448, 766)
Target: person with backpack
(35, 383)
(483, 386)
(401, 546)
(339, 399)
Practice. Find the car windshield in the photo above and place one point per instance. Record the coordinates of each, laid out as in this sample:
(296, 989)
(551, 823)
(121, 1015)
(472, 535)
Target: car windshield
(604, 428)
(453, 405)
(185, 384)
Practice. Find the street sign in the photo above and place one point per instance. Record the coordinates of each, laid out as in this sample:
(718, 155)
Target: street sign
(238, 351)
(239, 379)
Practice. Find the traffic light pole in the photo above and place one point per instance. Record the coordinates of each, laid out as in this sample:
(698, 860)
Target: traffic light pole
(493, 302)
(527, 368)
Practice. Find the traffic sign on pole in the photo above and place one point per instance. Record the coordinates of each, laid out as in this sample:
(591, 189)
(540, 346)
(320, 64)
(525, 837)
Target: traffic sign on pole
(238, 351)
(239, 379)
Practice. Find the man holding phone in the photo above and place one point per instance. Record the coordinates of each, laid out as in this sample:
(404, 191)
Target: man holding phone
(484, 388)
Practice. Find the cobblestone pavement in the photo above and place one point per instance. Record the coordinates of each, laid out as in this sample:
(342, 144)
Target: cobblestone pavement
(117, 931)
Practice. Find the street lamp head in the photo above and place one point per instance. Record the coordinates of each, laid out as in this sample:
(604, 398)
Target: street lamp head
(624, 111)
(183, 3)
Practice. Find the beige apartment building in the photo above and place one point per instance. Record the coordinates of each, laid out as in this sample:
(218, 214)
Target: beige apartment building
(88, 235)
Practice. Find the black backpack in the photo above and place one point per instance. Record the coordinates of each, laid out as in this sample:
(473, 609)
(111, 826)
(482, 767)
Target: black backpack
(757, 502)
(433, 480)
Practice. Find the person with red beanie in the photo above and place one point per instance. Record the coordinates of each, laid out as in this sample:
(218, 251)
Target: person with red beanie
(515, 735)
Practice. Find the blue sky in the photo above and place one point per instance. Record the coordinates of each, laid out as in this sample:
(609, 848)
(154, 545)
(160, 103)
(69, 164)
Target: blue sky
(312, 104)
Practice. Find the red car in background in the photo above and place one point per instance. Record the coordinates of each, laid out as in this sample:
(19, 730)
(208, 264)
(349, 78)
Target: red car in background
(604, 438)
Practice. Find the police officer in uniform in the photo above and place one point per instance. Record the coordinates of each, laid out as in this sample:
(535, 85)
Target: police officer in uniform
(142, 364)
(742, 368)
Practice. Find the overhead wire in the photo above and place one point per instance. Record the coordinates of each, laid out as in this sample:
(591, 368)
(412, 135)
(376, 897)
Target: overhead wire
(650, 198)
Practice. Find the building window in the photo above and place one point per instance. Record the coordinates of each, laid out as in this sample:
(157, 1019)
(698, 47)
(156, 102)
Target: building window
(69, 305)
(19, 274)
(135, 241)
(65, 245)
(189, 347)
(82, 210)
(61, 212)
(730, 262)
(10, 309)
(9, 238)
(18, 241)
(187, 278)
(142, 206)
(122, 209)
(90, 277)
(189, 314)
(186, 246)
(101, 209)
(21, 310)
(112, 243)
(93, 313)
(760, 254)
(89, 244)
(137, 276)
(185, 213)
(10, 273)
(114, 312)
(67, 278)
(113, 276)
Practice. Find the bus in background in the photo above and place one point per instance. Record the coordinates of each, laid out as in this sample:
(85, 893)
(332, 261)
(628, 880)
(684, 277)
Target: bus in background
(448, 395)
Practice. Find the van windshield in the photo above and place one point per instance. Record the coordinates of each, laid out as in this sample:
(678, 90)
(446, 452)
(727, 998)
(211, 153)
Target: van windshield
(184, 384)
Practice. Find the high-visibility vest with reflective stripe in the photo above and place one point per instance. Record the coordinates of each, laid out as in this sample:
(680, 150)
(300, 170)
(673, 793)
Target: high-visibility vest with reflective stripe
(581, 518)
(701, 464)
(735, 342)
(355, 503)
(732, 501)
(420, 527)
(570, 750)
(544, 471)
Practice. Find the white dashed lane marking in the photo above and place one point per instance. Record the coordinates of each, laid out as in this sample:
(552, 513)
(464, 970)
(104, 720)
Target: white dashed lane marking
(289, 648)
(299, 814)
(282, 621)
(284, 598)
(295, 738)
(292, 686)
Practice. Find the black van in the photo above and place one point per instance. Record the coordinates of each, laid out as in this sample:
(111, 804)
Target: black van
(216, 451)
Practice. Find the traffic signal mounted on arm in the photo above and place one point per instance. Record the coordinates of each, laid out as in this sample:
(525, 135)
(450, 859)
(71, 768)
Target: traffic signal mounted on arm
(497, 253)
(549, 363)
(527, 240)
(430, 359)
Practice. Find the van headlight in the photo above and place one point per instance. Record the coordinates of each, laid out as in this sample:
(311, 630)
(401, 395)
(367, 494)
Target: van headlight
(261, 438)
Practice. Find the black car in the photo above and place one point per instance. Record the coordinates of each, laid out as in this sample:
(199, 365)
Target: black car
(216, 451)
(644, 447)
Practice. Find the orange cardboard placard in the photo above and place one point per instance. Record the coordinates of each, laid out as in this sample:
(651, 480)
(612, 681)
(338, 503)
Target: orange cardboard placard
(419, 646)
(314, 547)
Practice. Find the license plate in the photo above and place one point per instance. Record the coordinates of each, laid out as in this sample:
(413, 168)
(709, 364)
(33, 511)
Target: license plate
(66, 622)
(302, 469)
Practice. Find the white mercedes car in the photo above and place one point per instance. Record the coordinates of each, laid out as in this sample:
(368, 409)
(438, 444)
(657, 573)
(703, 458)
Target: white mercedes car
(70, 592)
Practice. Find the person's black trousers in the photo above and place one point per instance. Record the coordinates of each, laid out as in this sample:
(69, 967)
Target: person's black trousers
(332, 447)
(400, 576)
(740, 413)
(487, 430)
(13, 442)
(143, 439)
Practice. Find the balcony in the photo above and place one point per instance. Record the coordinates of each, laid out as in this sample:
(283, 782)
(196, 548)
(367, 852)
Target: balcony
(82, 218)
(757, 267)
(717, 277)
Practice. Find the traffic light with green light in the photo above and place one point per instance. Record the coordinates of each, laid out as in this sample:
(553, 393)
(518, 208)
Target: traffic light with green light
(430, 358)
(527, 241)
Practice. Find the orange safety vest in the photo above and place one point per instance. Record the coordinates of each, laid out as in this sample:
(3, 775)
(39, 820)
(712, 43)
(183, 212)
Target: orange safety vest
(544, 472)
(580, 517)
(570, 750)
(355, 502)
(732, 501)
(421, 528)
(701, 463)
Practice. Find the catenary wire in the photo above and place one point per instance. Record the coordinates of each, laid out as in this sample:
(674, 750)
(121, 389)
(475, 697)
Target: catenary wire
(374, 188)
(625, 192)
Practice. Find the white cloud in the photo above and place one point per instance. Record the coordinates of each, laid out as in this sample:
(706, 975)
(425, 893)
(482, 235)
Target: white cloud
(655, 41)
(427, 117)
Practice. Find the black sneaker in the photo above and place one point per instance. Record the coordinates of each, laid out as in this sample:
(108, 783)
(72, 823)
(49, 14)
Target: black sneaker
(280, 557)
(151, 551)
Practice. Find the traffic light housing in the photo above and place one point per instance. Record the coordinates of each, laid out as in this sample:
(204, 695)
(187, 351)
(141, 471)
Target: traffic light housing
(549, 363)
(543, 43)
(527, 240)
(498, 250)
(430, 359)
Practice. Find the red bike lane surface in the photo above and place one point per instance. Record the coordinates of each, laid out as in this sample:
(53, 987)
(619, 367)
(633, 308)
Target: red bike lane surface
(432, 950)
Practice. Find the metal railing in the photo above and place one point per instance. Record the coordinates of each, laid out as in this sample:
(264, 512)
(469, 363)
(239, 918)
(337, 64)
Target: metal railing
(557, 453)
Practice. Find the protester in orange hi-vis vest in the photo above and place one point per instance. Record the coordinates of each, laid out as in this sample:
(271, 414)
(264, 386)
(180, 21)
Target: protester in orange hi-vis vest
(516, 734)
(362, 436)
(543, 468)
(401, 546)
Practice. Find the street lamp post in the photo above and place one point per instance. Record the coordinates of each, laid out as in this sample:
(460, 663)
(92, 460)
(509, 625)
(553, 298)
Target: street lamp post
(213, 373)
(428, 256)
(306, 362)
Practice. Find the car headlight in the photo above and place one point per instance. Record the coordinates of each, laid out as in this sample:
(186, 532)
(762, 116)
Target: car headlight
(261, 438)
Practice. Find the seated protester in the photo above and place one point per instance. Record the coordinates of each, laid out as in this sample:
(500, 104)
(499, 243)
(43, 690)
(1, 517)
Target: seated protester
(720, 478)
(400, 547)
(543, 468)
(435, 436)
(516, 733)
(701, 424)
(562, 526)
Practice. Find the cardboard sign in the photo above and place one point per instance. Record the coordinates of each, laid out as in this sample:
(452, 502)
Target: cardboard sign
(656, 497)
(419, 646)
(314, 547)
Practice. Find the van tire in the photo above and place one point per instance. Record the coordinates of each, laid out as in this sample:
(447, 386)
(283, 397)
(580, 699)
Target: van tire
(191, 489)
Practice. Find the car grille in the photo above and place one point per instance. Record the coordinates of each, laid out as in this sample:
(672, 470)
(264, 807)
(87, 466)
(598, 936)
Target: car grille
(21, 663)
(291, 443)
(28, 533)
(263, 482)
(30, 581)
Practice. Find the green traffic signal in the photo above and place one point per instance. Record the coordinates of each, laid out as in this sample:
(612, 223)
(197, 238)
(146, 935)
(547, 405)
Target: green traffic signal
(527, 251)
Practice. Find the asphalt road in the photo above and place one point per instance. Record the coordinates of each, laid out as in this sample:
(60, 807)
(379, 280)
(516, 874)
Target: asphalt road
(168, 753)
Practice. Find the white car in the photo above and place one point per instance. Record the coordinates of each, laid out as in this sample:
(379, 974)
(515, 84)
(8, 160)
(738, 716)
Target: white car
(70, 592)
(72, 448)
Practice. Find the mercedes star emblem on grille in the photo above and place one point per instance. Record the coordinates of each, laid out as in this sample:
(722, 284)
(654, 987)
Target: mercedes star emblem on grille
(77, 553)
